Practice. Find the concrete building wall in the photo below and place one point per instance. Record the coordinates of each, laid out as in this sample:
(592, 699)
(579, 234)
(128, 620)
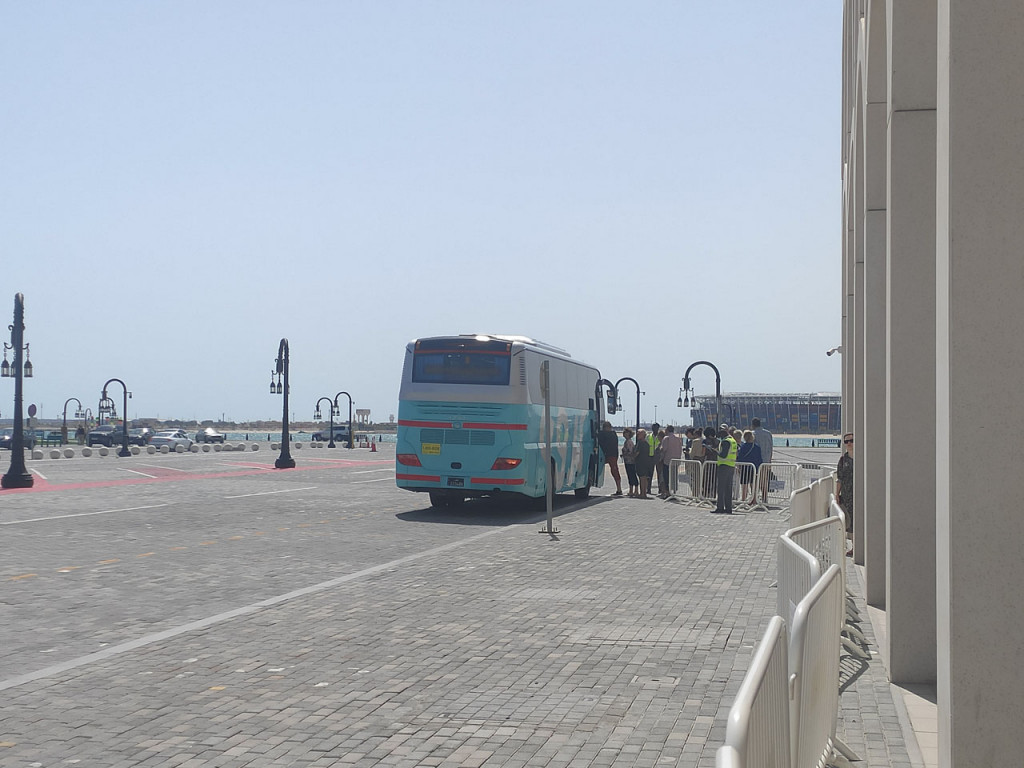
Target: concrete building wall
(952, 269)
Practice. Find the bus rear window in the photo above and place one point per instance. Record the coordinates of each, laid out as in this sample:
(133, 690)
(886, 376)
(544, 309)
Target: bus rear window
(463, 367)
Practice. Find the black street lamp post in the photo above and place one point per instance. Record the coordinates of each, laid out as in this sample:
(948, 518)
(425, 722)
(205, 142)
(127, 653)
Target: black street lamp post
(285, 460)
(638, 393)
(17, 475)
(124, 416)
(688, 390)
(318, 417)
(338, 412)
(79, 414)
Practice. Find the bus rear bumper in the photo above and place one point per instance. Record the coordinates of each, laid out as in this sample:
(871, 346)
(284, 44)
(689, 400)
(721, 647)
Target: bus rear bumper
(467, 486)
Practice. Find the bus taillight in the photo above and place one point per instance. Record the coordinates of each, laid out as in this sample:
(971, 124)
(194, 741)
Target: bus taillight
(408, 460)
(502, 463)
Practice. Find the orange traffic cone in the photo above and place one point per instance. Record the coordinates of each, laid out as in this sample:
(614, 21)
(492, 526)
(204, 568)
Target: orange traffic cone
(373, 447)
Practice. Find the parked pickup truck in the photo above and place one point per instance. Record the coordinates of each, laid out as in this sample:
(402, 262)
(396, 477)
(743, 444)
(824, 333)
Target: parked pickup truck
(324, 435)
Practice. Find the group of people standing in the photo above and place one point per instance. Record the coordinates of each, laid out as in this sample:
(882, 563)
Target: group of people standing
(649, 457)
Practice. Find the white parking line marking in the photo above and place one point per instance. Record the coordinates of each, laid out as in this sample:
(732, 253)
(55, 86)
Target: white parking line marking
(378, 480)
(159, 466)
(368, 471)
(81, 514)
(125, 469)
(267, 493)
(246, 610)
(36, 471)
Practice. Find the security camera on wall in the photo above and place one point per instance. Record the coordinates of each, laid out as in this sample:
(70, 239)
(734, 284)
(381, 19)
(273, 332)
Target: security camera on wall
(832, 351)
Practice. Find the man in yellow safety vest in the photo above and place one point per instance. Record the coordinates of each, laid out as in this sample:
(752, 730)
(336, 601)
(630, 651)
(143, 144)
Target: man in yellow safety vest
(727, 451)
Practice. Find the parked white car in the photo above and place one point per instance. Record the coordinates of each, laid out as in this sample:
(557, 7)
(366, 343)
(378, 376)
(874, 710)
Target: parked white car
(172, 438)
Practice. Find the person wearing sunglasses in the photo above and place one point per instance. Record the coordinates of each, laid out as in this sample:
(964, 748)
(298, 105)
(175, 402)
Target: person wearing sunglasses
(844, 482)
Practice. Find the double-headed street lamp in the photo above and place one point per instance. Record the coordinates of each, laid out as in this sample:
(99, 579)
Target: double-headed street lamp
(613, 396)
(338, 412)
(17, 475)
(79, 414)
(285, 460)
(687, 390)
(124, 416)
(318, 417)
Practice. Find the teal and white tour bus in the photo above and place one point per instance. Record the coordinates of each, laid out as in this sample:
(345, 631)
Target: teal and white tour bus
(471, 419)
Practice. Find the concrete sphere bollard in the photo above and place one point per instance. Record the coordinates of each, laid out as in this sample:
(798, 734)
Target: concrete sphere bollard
(136, 450)
(104, 450)
(255, 446)
(37, 454)
(165, 449)
(150, 449)
(194, 448)
(275, 446)
(297, 446)
(179, 449)
(87, 451)
(54, 454)
(240, 447)
(206, 447)
(69, 453)
(217, 447)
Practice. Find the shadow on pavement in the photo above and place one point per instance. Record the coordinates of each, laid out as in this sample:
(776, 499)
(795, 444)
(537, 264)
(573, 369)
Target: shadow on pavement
(497, 511)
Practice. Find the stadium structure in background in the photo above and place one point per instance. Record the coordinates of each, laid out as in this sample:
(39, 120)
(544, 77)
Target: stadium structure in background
(818, 413)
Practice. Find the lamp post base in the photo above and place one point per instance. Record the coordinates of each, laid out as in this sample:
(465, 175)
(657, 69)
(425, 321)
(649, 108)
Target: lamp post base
(17, 480)
(284, 462)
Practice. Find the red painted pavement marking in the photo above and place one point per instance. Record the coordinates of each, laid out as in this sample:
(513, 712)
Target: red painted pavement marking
(45, 486)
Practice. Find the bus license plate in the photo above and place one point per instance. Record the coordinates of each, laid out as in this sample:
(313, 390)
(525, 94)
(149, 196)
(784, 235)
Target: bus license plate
(430, 449)
(455, 482)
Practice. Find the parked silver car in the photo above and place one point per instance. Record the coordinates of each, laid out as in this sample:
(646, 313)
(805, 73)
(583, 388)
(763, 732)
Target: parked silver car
(172, 438)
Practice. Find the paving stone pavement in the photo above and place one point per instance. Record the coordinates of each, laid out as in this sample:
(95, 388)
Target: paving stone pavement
(620, 641)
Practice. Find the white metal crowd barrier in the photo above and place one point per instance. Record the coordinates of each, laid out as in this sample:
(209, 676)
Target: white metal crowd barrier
(801, 509)
(757, 734)
(814, 671)
(825, 540)
(812, 598)
(775, 483)
(822, 489)
(798, 569)
(694, 482)
(684, 480)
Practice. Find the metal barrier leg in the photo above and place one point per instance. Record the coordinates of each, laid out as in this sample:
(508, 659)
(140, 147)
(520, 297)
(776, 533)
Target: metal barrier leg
(855, 649)
(843, 751)
(856, 634)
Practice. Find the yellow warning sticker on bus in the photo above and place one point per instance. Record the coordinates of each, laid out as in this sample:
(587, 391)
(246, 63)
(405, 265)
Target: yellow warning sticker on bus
(430, 449)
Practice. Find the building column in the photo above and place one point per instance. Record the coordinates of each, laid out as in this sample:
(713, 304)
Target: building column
(980, 364)
(871, 443)
(859, 310)
(910, 492)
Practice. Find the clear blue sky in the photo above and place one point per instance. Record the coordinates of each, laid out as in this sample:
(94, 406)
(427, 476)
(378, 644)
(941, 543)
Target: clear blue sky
(644, 184)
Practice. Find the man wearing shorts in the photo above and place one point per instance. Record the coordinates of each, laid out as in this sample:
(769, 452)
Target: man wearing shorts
(609, 442)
